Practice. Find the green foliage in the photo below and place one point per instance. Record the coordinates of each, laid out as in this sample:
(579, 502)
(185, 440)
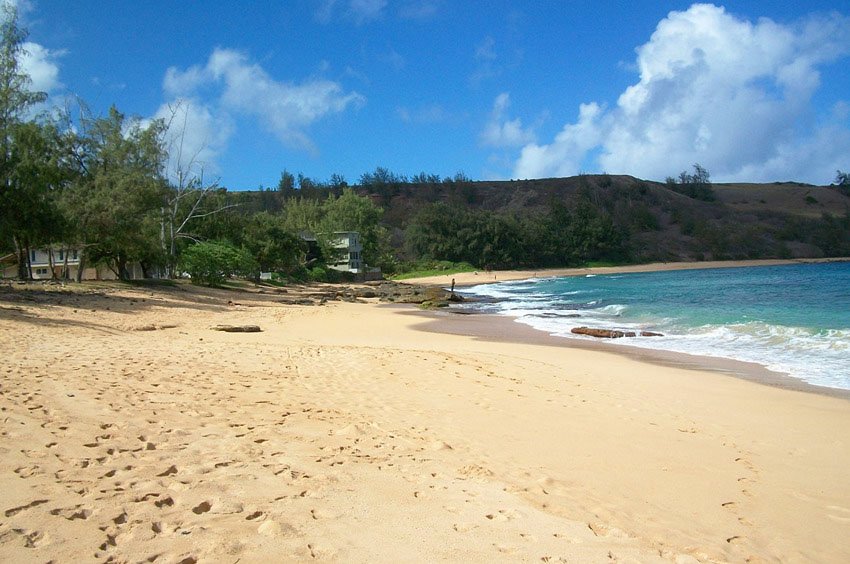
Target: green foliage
(696, 185)
(565, 235)
(273, 247)
(350, 212)
(842, 182)
(301, 215)
(29, 208)
(26, 151)
(115, 198)
(211, 263)
(422, 268)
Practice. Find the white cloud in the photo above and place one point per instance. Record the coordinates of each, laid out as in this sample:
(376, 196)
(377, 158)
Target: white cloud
(196, 136)
(40, 64)
(418, 9)
(502, 132)
(714, 89)
(361, 11)
(233, 85)
(563, 157)
(365, 10)
(37, 61)
(428, 114)
(486, 61)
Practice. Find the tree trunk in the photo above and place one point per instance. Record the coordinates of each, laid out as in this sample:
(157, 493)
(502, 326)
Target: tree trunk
(65, 265)
(121, 264)
(51, 264)
(81, 266)
(23, 260)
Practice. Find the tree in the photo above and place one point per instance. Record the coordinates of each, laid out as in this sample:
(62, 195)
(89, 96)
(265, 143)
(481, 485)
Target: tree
(696, 185)
(36, 175)
(273, 247)
(286, 184)
(117, 194)
(301, 215)
(211, 263)
(350, 212)
(842, 178)
(19, 201)
(187, 198)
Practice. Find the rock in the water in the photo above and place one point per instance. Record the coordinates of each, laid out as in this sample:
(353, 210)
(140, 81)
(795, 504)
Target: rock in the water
(611, 333)
(237, 328)
(600, 333)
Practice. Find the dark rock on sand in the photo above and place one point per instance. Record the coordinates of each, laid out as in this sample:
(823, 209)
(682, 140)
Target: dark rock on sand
(237, 328)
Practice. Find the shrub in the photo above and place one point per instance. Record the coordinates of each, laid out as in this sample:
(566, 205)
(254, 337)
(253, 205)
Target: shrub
(210, 264)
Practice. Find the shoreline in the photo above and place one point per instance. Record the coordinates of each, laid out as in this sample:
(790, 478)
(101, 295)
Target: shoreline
(501, 329)
(466, 279)
(344, 432)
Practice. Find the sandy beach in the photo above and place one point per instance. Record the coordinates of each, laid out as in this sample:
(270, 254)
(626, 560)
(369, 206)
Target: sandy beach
(343, 432)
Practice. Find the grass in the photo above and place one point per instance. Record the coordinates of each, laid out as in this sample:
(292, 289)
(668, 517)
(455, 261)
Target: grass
(438, 269)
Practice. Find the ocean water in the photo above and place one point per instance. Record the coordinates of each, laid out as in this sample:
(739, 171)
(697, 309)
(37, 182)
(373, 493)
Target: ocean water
(793, 319)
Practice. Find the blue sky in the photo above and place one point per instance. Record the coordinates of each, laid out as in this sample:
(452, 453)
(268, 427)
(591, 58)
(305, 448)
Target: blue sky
(753, 91)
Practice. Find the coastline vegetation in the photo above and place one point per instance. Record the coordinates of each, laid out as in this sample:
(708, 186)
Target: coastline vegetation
(115, 189)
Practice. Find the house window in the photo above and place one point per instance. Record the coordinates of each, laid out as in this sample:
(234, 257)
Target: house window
(32, 256)
(61, 254)
(75, 254)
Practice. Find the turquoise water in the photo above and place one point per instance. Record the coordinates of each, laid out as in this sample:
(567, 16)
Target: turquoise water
(793, 319)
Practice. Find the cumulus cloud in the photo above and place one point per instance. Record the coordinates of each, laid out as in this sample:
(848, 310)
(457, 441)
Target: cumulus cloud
(41, 65)
(714, 89)
(37, 61)
(230, 86)
(197, 135)
(503, 132)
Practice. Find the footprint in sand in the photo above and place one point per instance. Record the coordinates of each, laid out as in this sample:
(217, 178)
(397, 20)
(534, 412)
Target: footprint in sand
(165, 502)
(16, 510)
(203, 507)
(72, 514)
(504, 515)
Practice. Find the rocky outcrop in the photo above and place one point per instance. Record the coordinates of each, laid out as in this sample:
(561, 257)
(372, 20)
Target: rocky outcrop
(602, 333)
(650, 334)
(611, 333)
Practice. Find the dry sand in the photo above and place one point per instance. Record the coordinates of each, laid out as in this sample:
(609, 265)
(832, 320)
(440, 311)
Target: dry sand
(342, 433)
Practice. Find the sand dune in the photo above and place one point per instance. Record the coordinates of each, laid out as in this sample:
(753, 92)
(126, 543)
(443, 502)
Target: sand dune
(133, 432)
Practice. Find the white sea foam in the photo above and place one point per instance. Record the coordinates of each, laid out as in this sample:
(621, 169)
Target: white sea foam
(818, 358)
(730, 304)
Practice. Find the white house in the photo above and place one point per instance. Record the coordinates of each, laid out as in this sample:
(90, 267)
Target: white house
(49, 262)
(348, 255)
(350, 251)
